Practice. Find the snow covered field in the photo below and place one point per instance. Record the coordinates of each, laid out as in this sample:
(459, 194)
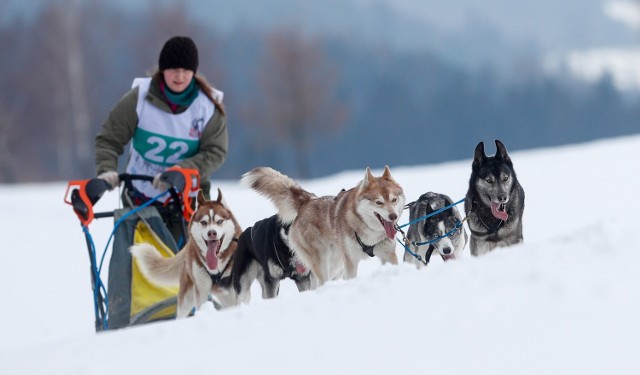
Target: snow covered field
(567, 301)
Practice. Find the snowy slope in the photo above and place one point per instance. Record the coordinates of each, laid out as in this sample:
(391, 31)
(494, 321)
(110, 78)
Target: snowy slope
(565, 301)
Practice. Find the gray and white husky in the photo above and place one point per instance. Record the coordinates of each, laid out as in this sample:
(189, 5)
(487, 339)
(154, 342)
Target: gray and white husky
(494, 201)
(442, 232)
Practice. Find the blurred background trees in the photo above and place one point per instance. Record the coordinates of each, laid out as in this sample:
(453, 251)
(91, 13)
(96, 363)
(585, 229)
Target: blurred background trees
(305, 103)
(295, 102)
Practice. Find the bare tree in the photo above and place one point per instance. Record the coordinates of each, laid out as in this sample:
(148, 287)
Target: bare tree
(54, 81)
(6, 174)
(297, 84)
(75, 73)
(166, 19)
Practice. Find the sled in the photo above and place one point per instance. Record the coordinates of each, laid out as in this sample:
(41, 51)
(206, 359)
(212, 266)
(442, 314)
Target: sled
(128, 298)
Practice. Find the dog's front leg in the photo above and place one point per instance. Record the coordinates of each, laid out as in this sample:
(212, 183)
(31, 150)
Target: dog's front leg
(350, 269)
(315, 281)
(201, 295)
(304, 283)
(386, 251)
(226, 298)
(185, 304)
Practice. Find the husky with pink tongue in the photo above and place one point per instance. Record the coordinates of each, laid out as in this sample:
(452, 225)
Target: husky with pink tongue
(330, 235)
(494, 201)
(203, 266)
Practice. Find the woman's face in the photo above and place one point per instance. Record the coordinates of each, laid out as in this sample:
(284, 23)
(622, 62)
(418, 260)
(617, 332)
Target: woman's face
(178, 79)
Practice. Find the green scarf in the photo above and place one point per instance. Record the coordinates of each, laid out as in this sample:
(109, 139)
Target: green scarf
(184, 98)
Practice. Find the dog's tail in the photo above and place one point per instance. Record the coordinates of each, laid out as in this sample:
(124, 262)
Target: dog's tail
(287, 196)
(155, 267)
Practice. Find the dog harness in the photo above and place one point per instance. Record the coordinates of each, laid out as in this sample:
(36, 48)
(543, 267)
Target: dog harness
(366, 248)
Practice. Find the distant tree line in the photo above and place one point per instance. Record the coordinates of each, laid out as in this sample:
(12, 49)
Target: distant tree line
(308, 107)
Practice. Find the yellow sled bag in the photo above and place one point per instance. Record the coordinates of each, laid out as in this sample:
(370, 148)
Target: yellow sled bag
(132, 299)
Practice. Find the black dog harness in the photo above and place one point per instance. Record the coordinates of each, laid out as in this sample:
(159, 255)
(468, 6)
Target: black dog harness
(366, 248)
(217, 278)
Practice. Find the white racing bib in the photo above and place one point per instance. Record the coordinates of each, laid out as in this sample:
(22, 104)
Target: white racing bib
(162, 139)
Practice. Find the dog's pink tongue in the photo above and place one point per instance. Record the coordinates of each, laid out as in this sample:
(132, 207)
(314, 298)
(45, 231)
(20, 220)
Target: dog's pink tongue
(390, 229)
(300, 268)
(212, 258)
(448, 257)
(502, 215)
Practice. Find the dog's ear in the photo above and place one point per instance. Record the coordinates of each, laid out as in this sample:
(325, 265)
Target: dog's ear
(428, 208)
(201, 199)
(387, 173)
(447, 201)
(501, 152)
(424, 201)
(479, 156)
(368, 178)
(220, 199)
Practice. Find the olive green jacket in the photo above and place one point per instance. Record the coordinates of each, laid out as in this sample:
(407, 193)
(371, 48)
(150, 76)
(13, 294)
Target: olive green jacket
(121, 124)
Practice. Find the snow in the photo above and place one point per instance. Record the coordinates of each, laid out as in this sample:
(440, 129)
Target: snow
(567, 300)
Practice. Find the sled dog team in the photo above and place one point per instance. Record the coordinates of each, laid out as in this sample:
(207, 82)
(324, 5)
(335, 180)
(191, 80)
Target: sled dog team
(314, 239)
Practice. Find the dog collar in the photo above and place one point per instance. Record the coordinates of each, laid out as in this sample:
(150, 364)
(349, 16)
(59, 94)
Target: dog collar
(366, 248)
(215, 279)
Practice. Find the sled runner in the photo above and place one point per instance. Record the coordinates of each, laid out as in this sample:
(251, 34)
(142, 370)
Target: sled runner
(128, 298)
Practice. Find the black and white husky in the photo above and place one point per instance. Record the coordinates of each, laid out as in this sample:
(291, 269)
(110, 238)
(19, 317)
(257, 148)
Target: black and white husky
(494, 201)
(440, 233)
(263, 253)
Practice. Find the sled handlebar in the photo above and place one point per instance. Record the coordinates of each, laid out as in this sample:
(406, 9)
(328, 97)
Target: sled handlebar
(83, 194)
(124, 177)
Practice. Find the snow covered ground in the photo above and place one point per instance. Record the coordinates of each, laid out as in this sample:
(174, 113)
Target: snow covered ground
(567, 301)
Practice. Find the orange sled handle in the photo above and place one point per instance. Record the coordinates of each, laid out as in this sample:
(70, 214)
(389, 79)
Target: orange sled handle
(82, 195)
(187, 182)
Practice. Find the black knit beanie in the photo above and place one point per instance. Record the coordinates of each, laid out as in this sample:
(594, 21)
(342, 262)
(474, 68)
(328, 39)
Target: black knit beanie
(179, 52)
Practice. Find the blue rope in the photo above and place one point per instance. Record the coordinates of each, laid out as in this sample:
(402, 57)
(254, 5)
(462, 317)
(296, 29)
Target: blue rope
(433, 213)
(97, 280)
(449, 233)
(415, 255)
(99, 285)
(119, 221)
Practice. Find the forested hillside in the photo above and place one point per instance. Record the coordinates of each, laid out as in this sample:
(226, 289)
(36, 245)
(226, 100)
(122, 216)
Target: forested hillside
(370, 99)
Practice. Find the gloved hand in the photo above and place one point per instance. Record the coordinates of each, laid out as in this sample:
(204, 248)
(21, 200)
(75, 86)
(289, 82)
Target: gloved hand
(111, 177)
(159, 185)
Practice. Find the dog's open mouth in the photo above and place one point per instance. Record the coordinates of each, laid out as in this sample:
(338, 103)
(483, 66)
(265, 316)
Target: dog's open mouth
(389, 227)
(213, 250)
(499, 210)
(300, 268)
(448, 257)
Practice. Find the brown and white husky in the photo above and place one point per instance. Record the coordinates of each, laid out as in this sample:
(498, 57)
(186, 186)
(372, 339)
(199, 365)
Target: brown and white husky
(203, 266)
(330, 235)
